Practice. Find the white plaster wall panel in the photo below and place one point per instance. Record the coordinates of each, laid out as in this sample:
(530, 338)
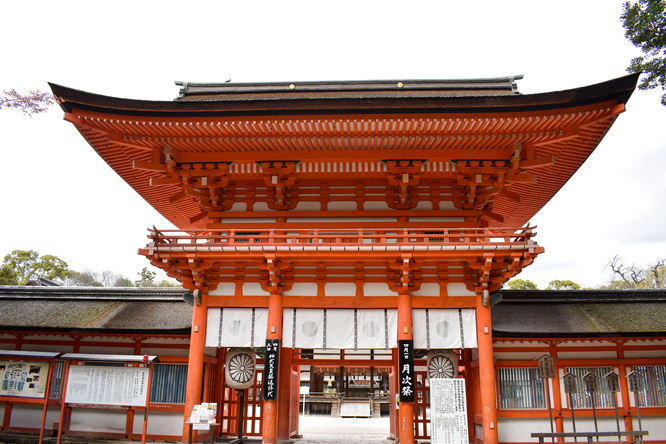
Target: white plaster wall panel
(519, 344)
(302, 289)
(423, 205)
(27, 416)
(605, 424)
(446, 204)
(587, 355)
(98, 420)
(238, 206)
(129, 350)
(517, 356)
(651, 342)
(224, 289)
(656, 425)
(377, 289)
(521, 429)
(307, 206)
(159, 423)
(253, 289)
(628, 354)
(341, 206)
(151, 351)
(50, 348)
(375, 205)
(52, 416)
(260, 206)
(340, 289)
(167, 341)
(458, 289)
(427, 289)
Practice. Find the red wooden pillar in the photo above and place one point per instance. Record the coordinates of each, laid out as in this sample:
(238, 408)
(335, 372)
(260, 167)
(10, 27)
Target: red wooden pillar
(269, 426)
(195, 369)
(486, 372)
(406, 409)
(284, 389)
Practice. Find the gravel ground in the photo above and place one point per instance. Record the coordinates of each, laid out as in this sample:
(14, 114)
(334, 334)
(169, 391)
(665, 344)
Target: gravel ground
(325, 429)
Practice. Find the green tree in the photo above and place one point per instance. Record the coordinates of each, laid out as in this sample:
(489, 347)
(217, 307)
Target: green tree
(645, 26)
(521, 284)
(146, 278)
(34, 102)
(165, 283)
(27, 264)
(626, 277)
(83, 278)
(122, 281)
(562, 285)
(7, 275)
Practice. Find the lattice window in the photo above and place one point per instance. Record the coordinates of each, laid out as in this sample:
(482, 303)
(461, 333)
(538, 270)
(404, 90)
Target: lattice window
(582, 399)
(520, 388)
(655, 386)
(169, 384)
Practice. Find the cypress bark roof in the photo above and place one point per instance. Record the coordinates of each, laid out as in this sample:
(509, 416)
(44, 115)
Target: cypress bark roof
(578, 313)
(138, 310)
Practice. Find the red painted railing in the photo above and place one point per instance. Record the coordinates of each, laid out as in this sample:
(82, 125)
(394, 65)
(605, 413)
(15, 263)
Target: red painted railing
(344, 237)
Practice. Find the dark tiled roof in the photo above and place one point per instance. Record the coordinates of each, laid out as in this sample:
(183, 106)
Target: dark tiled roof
(95, 309)
(580, 313)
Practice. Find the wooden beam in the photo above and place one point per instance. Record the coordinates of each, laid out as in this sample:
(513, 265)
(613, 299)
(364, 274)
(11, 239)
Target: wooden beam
(537, 162)
(510, 195)
(149, 166)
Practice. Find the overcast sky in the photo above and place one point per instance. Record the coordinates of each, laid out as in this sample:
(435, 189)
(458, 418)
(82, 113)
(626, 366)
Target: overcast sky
(59, 198)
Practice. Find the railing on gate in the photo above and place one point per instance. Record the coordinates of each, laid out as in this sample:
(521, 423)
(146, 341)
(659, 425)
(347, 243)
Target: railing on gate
(212, 238)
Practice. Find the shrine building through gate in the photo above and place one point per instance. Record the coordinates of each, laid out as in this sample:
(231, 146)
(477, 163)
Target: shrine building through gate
(343, 216)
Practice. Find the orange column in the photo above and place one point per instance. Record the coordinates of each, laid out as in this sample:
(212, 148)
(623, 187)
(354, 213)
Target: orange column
(269, 426)
(486, 372)
(195, 369)
(406, 409)
(284, 388)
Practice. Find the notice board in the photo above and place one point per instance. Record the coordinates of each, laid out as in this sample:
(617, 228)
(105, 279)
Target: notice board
(25, 379)
(448, 411)
(96, 384)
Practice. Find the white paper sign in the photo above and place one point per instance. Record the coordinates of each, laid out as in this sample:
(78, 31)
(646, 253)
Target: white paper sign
(448, 410)
(90, 384)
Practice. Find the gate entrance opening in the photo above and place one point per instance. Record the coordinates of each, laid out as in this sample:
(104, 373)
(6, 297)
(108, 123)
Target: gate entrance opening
(338, 384)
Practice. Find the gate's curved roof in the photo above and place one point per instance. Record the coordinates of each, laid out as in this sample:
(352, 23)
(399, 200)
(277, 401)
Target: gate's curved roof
(313, 122)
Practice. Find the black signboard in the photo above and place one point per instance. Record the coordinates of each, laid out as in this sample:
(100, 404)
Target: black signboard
(406, 373)
(271, 369)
